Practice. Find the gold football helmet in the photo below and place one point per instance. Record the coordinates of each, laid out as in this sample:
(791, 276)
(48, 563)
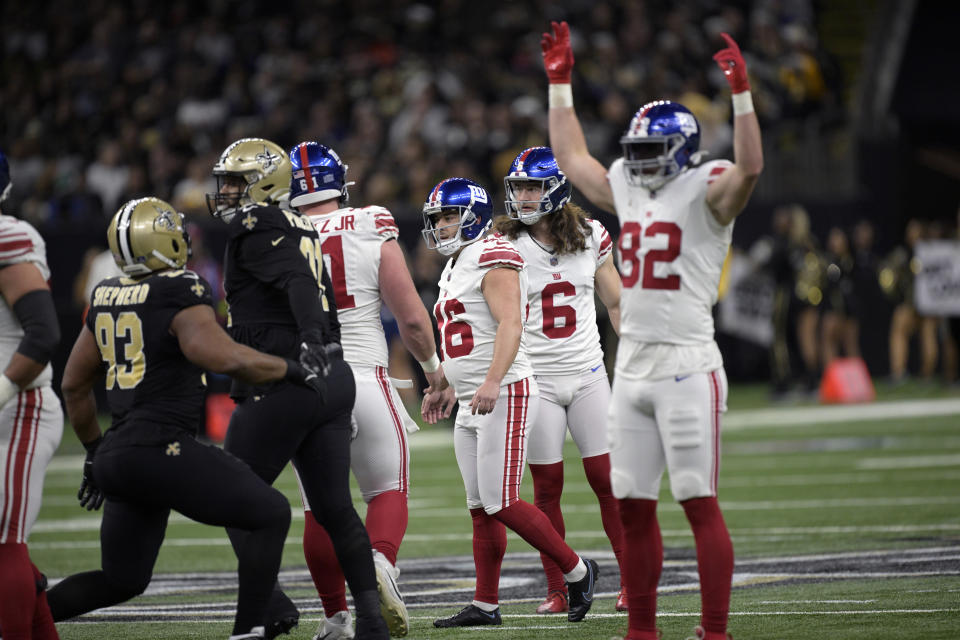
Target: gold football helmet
(263, 170)
(148, 235)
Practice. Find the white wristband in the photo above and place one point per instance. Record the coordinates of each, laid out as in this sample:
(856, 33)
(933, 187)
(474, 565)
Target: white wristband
(742, 103)
(7, 389)
(430, 365)
(560, 95)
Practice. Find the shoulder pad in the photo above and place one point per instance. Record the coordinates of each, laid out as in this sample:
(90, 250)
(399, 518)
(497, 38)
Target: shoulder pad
(496, 251)
(20, 242)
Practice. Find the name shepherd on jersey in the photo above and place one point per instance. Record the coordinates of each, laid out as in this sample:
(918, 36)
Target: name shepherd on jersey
(147, 378)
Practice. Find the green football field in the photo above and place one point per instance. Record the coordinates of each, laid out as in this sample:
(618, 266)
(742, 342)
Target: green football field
(845, 522)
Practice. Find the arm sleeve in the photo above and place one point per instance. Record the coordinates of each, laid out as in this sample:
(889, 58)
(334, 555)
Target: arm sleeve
(41, 331)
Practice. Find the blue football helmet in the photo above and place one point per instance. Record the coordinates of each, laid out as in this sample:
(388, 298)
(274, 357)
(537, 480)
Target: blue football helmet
(535, 165)
(318, 175)
(5, 183)
(473, 204)
(659, 143)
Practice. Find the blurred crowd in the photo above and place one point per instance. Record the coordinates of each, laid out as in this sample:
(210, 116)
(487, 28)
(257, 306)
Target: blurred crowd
(826, 290)
(106, 101)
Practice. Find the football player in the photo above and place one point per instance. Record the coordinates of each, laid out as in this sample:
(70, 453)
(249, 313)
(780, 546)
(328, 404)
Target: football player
(31, 421)
(568, 258)
(483, 294)
(278, 294)
(151, 333)
(676, 219)
(367, 267)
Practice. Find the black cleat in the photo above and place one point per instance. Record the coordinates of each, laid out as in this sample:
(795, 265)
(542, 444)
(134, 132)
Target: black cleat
(284, 624)
(581, 592)
(470, 616)
(281, 615)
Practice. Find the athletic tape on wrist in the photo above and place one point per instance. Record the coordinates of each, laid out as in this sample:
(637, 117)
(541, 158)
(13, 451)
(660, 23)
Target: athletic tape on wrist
(431, 365)
(742, 103)
(560, 95)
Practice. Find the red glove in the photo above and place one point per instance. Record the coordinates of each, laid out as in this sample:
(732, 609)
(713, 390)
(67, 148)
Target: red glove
(557, 54)
(730, 60)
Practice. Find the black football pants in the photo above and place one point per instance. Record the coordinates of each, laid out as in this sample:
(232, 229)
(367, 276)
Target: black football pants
(292, 424)
(142, 483)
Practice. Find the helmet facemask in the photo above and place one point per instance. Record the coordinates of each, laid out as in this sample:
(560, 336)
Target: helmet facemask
(475, 214)
(224, 205)
(431, 232)
(543, 204)
(261, 170)
(651, 161)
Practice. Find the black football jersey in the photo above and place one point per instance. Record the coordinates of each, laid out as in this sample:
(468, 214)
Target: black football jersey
(267, 249)
(148, 379)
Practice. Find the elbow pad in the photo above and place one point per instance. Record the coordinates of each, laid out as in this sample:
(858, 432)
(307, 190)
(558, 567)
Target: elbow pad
(41, 331)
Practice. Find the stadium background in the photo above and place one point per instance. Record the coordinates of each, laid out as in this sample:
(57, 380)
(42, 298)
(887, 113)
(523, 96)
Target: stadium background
(106, 101)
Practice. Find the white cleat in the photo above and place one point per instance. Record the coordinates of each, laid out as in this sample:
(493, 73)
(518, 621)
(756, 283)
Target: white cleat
(392, 608)
(337, 627)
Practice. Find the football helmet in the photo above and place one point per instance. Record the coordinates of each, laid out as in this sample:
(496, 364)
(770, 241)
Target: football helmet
(473, 204)
(5, 183)
(659, 143)
(148, 235)
(536, 165)
(318, 175)
(264, 168)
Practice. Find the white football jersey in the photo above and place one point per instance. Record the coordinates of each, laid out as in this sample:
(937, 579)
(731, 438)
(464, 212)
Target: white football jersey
(562, 336)
(671, 251)
(350, 240)
(467, 328)
(19, 242)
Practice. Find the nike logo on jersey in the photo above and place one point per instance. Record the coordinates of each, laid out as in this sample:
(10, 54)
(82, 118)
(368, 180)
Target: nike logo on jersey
(277, 241)
(595, 368)
(680, 378)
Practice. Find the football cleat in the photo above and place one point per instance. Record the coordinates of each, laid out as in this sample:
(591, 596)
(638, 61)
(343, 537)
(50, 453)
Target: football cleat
(699, 633)
(660, 142)
(282, 615)
(339, 626)
(392, 608)
(470, 616)
(470, 201)
(147, 235)
(255, 633)
(580, 593)
(622, 599)
(556, 602)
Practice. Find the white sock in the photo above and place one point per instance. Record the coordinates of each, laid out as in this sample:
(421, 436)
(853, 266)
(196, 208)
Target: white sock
(485, 606)
(577, 573)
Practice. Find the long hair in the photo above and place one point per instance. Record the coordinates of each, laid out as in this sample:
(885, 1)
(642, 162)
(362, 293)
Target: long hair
(568, 226)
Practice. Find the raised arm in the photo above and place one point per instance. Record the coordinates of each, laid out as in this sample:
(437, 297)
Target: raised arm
(566, 135)
(729, 193)
(401, 297)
